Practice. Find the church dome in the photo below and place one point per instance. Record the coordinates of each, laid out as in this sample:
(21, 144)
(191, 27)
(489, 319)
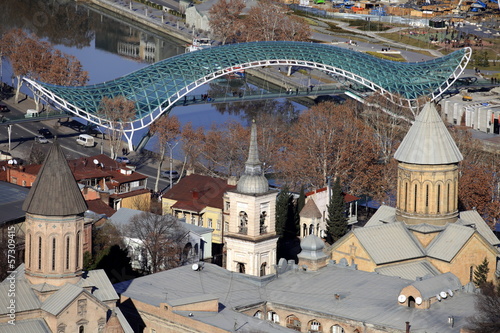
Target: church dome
(312, 243)
(252, 184)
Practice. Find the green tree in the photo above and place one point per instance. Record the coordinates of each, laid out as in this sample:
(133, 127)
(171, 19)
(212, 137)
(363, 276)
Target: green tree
(336, 221)
(284, 212)
(301, 202)
(481, 273)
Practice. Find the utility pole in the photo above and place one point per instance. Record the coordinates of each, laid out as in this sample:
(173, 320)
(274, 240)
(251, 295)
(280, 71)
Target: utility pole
(171, 148)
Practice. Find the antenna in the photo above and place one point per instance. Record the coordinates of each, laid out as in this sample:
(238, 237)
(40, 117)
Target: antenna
(401, 298)
(418, 300)
(443, 294)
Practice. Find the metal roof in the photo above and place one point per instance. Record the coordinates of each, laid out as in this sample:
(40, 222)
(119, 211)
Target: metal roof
(409, 270)
(385, 214)
(157, 87)
(425, 228)
(473, 217)
(55, 191)
(451, 240)
(310, 209)
(11, 202)
(56, 302)
(428, 141)
(104, 290)
(26, 326)
(26, 298)
(389, 242)
(432, 286)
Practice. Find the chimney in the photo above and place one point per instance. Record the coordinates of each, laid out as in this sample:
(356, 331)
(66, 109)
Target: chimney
(408, 327)
(195, 194)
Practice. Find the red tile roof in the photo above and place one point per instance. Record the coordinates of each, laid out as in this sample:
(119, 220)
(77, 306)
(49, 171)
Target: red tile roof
(347, 197)
(100, 207)
(196, 192)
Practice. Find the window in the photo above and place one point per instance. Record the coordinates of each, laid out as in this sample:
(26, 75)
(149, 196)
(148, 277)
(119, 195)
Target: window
(263, 269)
(82, 307)
(240, 267)
(210, 223)
(258, 314)
(218, 224)
(81, 329)
(227, 206)
(53, 254)
(471, 273)
(77, 249)
(293, 323)
(448, 199)
(315, 326)
(29, 250)
(439, 199)
(24, 183)
(14, 180)
(39, 252)
(415, 200)
(426, 195)
(337, 329)
(273, 316)
(67, 252)
(406, 197)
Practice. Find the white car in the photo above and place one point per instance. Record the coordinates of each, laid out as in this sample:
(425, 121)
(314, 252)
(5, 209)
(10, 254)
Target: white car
(122, 159)
(41, 139)
(166, 174)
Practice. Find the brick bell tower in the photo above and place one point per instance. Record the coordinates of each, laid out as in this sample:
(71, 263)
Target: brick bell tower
(54, 224)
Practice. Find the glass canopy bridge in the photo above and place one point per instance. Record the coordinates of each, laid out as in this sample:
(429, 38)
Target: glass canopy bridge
(159, 87)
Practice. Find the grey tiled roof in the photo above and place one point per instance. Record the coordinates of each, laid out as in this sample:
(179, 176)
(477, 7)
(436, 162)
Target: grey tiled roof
(385, 214)
(310, 209)
(26, 326)
(103, 290)
(425, 228)
(55, 191)
(389, 243)
(56, 302)
(25, 297)
(410, 270)
(443, 282)
(473, 217)
(11, 202)
(428, 141)
(447, 244)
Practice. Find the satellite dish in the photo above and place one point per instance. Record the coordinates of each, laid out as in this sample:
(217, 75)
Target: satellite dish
(195, 267)
(13, 161)
(418, 300)
(401, 298)
(443, 294)
(438, 297)
(96, 161)
(450, 292)
(10, 162)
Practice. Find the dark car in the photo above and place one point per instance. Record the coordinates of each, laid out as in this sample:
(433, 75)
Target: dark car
(4, 108)
(45, 132)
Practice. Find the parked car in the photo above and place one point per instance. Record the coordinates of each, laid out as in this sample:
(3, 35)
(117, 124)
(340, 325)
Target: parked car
(4, 108)
(46, 133)
(41, 139)
(166, 174)
(122, 159)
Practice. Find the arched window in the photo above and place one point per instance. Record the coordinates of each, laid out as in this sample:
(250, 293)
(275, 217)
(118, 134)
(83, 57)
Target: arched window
(29, 250)
(39, 252)
(273, 316)
(81, 329)
(78, 249)
(311, 229)
(427, 195)
(337, 329)
(258, 314)
(406, 196)
(315, 326)
(439, 199)
(293, 323)
(196, 249)
(240, 267)
(411, 302)
(53, 254)
(415, 200)
(243, 223)
(67, 252)
(263, 269)
(448, 199)
(471, 273)
(304, 230)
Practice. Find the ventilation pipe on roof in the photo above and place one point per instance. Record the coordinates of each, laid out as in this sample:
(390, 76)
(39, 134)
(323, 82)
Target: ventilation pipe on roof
(451, 321)
(408, 327)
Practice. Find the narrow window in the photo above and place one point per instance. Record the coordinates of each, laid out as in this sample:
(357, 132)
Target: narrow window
(415, 200)
(78, 249)
(406, 197)
(29, 250)
(471, 273)
(448, 199)
(53, 254)
(439, 199)
(426, 195)
(39, 252)
(67, 252)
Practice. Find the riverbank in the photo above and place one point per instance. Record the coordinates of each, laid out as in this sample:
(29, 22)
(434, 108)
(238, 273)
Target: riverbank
(147, 16)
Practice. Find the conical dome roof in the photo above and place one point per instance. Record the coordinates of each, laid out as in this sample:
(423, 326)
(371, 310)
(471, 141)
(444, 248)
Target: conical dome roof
(428, 141)
(253, 181)
(55, 191)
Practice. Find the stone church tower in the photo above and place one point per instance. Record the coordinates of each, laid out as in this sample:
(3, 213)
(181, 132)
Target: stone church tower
(251, 236)
(427, 172)
(54, 224)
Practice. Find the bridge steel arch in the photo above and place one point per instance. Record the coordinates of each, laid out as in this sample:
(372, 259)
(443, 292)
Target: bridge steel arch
(155, 88)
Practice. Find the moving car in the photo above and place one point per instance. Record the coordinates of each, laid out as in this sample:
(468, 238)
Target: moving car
(166, 174)
(4, 108)
(41, 139)
(122, 159)
(46, 133)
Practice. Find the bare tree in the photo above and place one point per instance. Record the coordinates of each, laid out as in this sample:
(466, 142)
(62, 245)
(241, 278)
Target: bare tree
(166, 129)
(192, 140)
(487, 318)
(116, 110)
(224, 19)
(161, 236)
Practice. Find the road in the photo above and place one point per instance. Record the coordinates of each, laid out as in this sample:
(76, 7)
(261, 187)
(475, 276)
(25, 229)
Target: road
(22, 141)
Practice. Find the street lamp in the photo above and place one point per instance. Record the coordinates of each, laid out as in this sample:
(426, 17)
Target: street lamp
(171, 148)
